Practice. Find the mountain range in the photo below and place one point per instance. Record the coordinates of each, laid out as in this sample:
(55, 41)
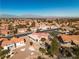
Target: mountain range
(21, 16)
(29, 16)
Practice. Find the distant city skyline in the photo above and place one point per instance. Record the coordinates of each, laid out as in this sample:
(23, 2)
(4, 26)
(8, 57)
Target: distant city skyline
(40, 7)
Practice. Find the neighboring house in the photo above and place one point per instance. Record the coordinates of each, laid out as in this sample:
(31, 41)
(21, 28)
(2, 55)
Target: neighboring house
(18, 41)
(54, 27)
(69, 40)
(12, 43)
(22, 30)
(66, 30)
(4, 26)
(44, 27)
(4, 31)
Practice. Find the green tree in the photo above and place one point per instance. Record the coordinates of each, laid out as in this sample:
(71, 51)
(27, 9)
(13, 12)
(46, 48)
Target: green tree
(53, 48)
(3, 53)
(76, 52)
(42, 50)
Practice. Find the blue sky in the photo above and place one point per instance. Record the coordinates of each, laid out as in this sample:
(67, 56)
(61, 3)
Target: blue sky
(40, 7)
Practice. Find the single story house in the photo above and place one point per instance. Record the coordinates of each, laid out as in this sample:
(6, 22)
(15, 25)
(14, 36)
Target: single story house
(12, 43)
(69, 39)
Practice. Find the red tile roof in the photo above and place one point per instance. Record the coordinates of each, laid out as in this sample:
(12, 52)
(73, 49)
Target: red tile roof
(5, 41)
(69, 38)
